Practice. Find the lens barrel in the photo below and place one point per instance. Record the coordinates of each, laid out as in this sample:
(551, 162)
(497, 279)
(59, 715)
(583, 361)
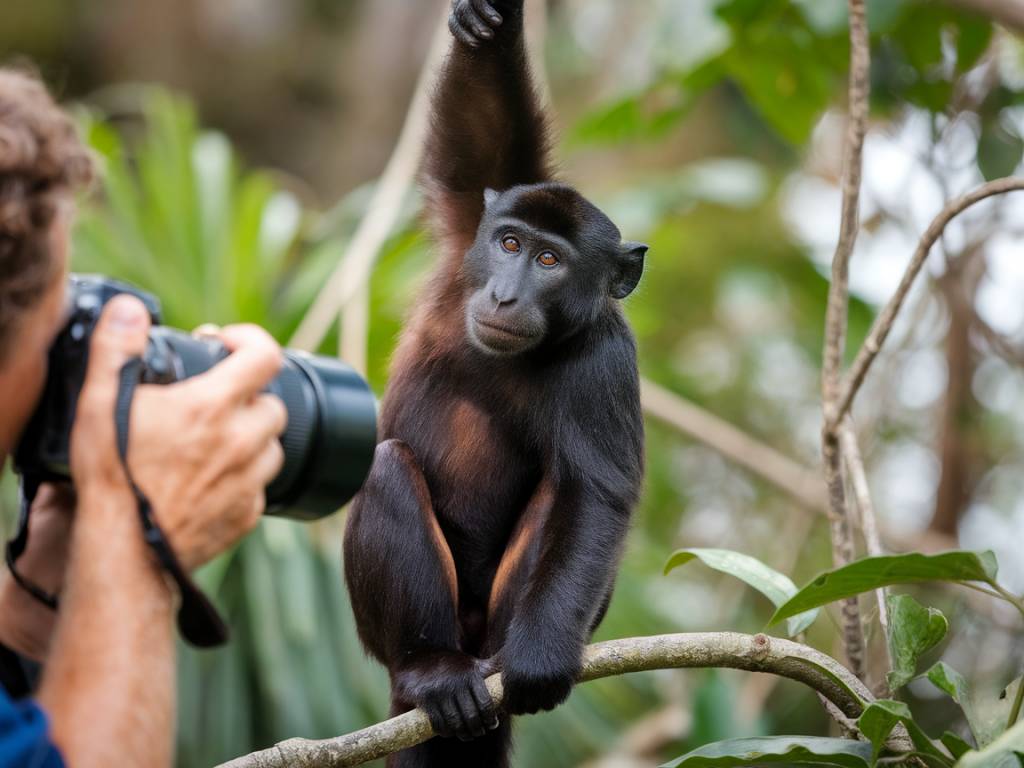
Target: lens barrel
(332, 421)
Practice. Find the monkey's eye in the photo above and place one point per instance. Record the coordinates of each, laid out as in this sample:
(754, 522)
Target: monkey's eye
(547, 259)
(511, 244)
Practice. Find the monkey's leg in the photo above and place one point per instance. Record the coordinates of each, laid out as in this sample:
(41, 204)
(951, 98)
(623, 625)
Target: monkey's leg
(403, 584)
(517, 566)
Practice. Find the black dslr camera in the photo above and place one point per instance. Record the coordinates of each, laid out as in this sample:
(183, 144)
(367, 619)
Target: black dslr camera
(332, 417)
(328, 444)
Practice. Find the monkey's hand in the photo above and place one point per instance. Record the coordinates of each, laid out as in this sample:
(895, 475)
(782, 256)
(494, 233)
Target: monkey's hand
(538, 674)
(449, 687)
(475, 22)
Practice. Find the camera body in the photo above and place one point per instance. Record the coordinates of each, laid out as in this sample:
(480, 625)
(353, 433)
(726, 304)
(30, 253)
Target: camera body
(332, 415)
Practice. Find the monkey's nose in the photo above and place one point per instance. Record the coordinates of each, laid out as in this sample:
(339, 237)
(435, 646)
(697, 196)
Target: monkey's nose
(502, 301)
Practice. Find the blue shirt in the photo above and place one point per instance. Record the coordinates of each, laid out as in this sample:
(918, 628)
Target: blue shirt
(24, 737)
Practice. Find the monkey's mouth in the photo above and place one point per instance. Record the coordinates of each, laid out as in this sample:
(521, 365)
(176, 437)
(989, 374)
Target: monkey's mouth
(506, 330)
(498, 338)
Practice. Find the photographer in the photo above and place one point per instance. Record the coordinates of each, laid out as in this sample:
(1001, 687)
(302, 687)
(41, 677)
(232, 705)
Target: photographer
(202, 451)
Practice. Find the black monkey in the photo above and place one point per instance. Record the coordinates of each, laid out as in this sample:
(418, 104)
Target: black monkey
(488, 534)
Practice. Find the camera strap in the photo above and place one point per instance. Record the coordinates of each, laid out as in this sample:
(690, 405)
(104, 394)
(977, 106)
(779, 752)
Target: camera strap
(198, 620)
(16, 546)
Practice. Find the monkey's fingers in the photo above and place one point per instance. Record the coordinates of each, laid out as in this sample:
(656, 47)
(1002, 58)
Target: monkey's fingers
(487, 12)
(485, 704)
(452, 718)
(467, 26)
(437, 718)
(472, 720)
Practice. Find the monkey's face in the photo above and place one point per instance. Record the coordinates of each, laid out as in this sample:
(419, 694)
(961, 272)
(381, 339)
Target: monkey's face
(545, 264)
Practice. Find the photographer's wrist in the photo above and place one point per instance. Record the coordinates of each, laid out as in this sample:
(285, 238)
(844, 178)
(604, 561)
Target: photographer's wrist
(108, 524)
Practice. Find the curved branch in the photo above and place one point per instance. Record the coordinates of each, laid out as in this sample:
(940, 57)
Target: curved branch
(353, 271)
(887, 318)
(752, 653)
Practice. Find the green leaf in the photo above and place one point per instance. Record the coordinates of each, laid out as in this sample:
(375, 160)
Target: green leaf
(948, 680)
(973, 38)
(1005, 752)
(999, 151)
(775, 586)
(957, 747)
(784, 750)
(873, 572)
(913, 630)
(985, 715)
(880, 717)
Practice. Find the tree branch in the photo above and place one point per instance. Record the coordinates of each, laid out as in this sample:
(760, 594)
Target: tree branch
(887, 317)
(753, 653)
(835, 322)
(784, 473)
(868, 525)
(353, 271)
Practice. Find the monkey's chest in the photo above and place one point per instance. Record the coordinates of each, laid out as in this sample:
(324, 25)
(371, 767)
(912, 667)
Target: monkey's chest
(481, 474)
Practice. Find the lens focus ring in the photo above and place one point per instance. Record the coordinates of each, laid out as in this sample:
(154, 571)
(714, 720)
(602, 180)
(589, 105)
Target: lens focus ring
(297, 394)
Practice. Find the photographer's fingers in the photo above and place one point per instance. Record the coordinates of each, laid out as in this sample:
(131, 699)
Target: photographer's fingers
(120, 334)
(255, 359)
(254, 425)
(266, 465)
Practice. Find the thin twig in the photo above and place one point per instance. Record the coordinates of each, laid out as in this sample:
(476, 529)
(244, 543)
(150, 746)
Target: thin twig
(353, 271)
(753, 653)
(835, 322)
(784, 473)
(862, 493)
(887, 317)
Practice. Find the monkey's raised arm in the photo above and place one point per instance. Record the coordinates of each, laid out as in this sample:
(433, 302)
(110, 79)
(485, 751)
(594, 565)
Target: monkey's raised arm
(487, 129)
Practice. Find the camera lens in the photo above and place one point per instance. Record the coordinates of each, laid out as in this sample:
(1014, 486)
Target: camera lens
(332, 421)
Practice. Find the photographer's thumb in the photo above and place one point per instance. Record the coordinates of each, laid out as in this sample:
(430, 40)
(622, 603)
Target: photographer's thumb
(121, 334)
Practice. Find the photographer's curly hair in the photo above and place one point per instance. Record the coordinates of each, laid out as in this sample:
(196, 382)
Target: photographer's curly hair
(42, 164)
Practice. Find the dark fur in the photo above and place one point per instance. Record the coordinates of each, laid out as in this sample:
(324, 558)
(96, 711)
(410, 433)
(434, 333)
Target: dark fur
(489, 531)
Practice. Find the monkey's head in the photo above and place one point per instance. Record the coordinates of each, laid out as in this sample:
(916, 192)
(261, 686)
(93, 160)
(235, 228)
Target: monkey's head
(545, 264)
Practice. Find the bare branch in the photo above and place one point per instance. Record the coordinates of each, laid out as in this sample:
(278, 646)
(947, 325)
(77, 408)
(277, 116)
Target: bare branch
(999, 344)
(836, 317)
(753, 653)
(764, 461)
(353, 271)
(887, 317)
(868, 524)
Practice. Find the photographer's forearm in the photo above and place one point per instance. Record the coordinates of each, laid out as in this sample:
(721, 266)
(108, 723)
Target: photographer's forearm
(109, 684)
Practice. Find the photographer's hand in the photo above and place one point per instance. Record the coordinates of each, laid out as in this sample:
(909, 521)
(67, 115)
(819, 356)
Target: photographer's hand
(26, 625)
(202, 450)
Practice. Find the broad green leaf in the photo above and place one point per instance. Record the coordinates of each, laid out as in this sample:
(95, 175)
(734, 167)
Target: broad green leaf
(784, 750)
(913, 630)
(986, 715)
(873, 572)
(1005, 752)
(957, 747)
(999, 151)
(775, 586)
(880, 717)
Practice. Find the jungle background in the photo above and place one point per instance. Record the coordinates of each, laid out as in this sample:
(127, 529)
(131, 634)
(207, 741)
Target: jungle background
(242, 142)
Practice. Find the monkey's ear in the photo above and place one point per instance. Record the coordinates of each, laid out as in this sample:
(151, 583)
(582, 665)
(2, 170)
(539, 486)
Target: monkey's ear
(628, 270)
(489, 197)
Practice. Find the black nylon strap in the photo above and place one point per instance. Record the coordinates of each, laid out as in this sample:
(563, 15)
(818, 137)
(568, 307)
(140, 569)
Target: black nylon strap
(16, 546)
(198, 620)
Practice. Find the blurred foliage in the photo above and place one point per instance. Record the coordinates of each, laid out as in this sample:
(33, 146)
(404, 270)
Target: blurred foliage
(729, 314)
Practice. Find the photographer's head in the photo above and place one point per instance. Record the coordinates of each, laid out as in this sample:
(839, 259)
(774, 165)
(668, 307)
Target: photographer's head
(43, 163)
